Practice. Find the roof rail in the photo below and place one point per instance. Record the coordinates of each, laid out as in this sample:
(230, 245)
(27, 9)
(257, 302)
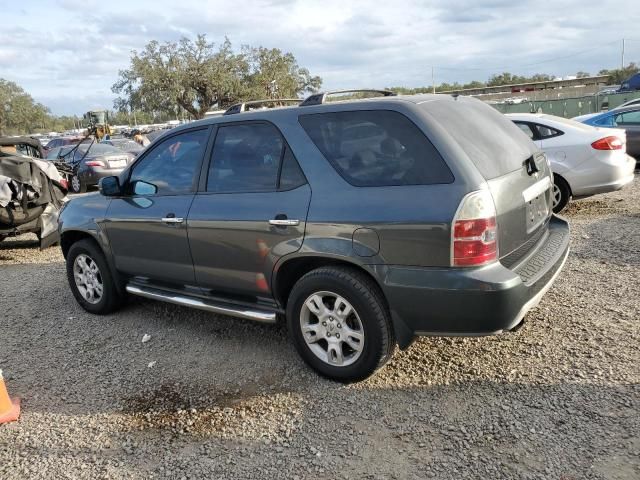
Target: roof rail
(242, 107)
(320, 98)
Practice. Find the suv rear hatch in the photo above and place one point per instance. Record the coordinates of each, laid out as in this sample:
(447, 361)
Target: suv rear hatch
(517, 173)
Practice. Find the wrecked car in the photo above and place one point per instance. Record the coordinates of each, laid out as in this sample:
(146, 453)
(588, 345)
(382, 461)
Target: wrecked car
(32, 191)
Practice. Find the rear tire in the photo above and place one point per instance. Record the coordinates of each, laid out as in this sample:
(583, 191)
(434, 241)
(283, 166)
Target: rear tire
(339, 322)
(90, 278)
(561, 194)
(77, 185)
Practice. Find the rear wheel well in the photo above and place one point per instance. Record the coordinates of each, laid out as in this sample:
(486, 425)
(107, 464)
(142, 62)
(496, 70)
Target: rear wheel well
(293, 270)
(556, 175)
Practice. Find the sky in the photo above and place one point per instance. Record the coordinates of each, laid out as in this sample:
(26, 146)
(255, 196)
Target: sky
(67, 53)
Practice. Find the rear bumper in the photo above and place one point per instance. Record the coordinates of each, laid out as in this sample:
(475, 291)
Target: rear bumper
(474, 301)
(609, 178)
(91, 176)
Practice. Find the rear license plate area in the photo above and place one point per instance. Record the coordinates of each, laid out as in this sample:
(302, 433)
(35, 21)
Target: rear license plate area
(117, 163)
(537, 211)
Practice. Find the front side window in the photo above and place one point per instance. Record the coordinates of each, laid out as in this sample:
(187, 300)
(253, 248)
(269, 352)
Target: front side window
(172, 164)
(376, 148)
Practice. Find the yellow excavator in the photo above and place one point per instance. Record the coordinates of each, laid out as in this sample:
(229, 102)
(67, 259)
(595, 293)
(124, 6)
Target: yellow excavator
(97, 122)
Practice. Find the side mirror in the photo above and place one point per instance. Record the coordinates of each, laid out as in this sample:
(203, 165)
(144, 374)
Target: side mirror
(110, 186)
(144, 188)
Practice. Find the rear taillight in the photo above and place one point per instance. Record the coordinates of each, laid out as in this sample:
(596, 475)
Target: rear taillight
(94, 163)
(475, 231)
(64, 183)
(608, 143)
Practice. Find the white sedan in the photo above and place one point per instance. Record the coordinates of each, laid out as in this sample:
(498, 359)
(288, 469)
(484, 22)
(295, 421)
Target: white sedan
(585, 160)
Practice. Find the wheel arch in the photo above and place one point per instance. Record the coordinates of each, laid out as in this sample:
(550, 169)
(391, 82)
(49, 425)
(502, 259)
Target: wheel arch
(69, 237)
(290, 270)
(557, 175)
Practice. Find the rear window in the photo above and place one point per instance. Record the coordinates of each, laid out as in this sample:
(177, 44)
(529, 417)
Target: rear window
(374, 148)
(490, 140)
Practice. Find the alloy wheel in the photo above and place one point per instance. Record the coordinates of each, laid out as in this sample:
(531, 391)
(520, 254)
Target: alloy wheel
(75, 183)
(88, 278)
(557, 195)
(332, 328)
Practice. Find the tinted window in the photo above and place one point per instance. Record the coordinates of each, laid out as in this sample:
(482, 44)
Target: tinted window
(376, 148)
(547, 132)
(628, 118)
(245, 158)
(171, 165)
(291, 175)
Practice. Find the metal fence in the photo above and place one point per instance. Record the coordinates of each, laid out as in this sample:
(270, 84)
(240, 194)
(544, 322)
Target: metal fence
(569, 107)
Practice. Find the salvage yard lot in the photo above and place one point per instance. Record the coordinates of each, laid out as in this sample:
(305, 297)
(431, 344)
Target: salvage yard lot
(215, 397)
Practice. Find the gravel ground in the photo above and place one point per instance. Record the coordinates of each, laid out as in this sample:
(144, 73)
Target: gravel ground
(213, 397)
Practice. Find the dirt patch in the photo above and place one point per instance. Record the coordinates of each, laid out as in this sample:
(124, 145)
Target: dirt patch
(203, 411)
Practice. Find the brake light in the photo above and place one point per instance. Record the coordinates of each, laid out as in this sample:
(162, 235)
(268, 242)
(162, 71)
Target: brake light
(94, 163)
(475, 231)
(608, 143)
(64, 183)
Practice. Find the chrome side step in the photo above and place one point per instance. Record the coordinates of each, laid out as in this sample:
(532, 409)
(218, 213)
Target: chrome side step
(232, 311)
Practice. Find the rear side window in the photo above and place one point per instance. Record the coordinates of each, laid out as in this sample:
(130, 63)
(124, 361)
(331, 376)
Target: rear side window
(547, 132)
(628, 118)
(374, 148)
(526, 128)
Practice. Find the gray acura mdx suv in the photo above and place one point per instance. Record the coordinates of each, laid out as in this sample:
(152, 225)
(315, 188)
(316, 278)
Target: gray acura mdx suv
(364, 223)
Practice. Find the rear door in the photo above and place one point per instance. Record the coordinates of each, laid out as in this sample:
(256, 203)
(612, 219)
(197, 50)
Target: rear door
(250, 210)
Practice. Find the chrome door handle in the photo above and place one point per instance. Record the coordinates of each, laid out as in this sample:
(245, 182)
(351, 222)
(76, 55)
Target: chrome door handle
(278, 222)
(173, 220)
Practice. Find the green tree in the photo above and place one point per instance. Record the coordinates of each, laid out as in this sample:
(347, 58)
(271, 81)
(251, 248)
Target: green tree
(582, 74)
(619, 75)
(18, 111)
(192, 76)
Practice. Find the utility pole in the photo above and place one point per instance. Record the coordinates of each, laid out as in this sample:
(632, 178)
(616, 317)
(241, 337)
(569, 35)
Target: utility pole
(622, 66)
(433, 81)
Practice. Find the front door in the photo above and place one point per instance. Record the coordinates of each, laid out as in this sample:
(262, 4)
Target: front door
(147, 226)
(251, 211)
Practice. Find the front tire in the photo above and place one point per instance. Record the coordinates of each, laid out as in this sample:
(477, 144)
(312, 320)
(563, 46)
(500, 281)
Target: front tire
(561, 194)
(90, 279)
(339, 323)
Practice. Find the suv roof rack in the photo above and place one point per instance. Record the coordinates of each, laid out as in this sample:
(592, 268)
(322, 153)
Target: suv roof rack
(242, 107)
(320, 98)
